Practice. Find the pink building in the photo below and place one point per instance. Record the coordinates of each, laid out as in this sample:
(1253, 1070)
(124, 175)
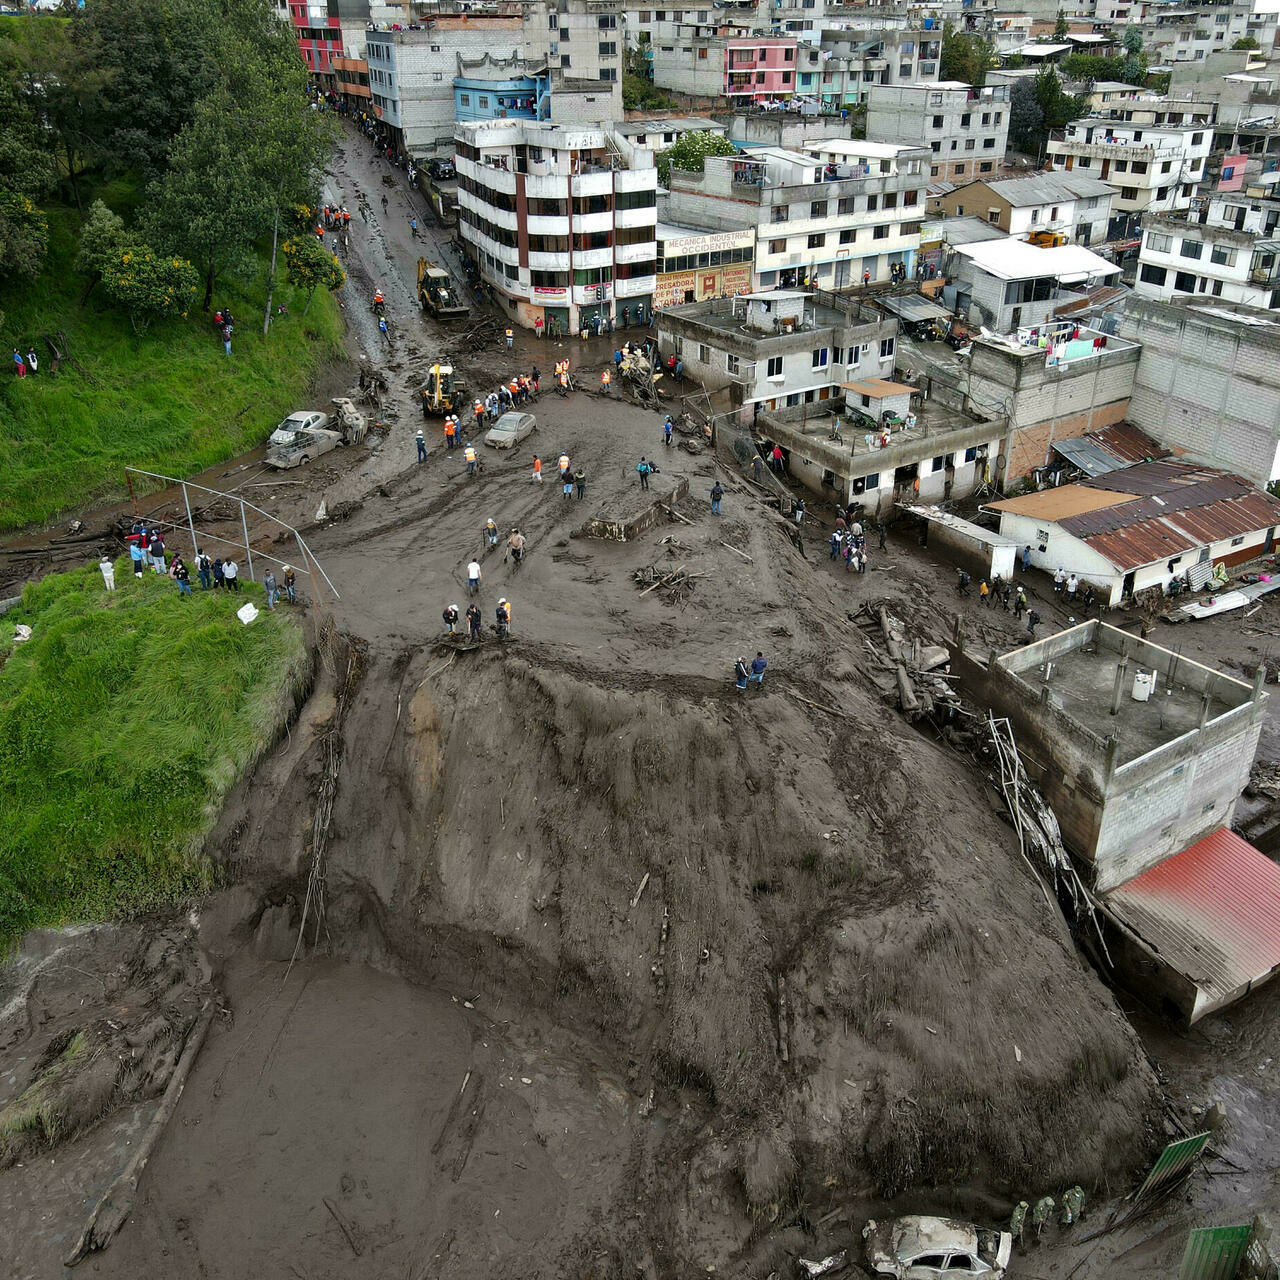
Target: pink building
(759, 68)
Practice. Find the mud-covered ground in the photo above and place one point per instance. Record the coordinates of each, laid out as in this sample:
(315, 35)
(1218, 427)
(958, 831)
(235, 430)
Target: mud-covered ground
(608, 969)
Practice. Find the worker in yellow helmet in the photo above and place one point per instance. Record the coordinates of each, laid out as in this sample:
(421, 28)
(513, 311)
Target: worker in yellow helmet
(469, 453)
(605, 379)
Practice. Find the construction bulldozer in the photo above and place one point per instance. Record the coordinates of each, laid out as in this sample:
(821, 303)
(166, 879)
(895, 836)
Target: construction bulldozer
(436, 294)
(444, 391)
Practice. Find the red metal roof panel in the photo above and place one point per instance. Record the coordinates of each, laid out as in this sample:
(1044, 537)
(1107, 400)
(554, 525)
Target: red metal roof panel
(1140, 544)
(1212, 912)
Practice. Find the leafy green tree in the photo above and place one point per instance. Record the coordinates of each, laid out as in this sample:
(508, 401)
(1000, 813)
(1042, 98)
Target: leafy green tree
(157, 60)
(102, 239)
(965, 57)
(26, 176)
(1245, 42)
(1133, 68)
(689, 152)
(1026, 120)
(148, 285)
(1060, 27)
(311, 266)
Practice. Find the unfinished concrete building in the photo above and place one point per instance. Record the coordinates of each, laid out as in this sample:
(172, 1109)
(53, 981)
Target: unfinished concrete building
(1142, 754)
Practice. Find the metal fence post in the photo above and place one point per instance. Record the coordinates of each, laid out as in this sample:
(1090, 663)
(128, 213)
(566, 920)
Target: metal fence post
(244, 527)
(191, 524)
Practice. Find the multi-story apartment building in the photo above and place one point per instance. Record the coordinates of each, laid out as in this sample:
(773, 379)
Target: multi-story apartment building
(557, 222)
(1156, 168)
(966, 129)
(659, 27)
(834, 213)
(841, 71)
(740, 68)
(1189, 32)
(1226, 249)
(318, 31)
(412, 71)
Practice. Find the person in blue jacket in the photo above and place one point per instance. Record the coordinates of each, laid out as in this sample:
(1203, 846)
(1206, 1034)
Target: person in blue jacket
(758, 664)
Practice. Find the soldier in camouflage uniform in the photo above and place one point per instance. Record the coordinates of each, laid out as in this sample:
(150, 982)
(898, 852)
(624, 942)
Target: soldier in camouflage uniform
(1041, 1214)
(1072, 1205)
(1018, 1223)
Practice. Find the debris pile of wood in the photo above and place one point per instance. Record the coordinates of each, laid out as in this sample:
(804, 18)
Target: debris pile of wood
(675, 585)
(1264, 781)
(484, 333)
(920, 687)
(372, 385)
(638, 376)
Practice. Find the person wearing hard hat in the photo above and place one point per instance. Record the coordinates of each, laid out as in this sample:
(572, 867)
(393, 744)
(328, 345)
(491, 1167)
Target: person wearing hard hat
(469, 453)
(503, 614)
(605, 378)
(421, 442)
(479, 411)
(511, 337)
(451, 618)
(490, 533)
(450, 432)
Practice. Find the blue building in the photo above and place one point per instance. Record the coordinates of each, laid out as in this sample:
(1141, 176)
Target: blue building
(500, 89)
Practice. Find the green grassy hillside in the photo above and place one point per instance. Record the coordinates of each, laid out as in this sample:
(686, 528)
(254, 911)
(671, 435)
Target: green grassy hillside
(124, 721)
(168, 400)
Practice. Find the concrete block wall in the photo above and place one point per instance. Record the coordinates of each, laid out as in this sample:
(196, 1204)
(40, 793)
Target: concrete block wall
(1208, 387)
(1165, 813)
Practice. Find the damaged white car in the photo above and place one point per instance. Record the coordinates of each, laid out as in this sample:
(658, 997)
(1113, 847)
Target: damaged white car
(922, 1248)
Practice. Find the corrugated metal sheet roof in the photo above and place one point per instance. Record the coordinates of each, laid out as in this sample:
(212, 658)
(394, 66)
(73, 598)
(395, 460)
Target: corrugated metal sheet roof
(1048, 188)
(1211, 912)
(1058, 504)
(913, 306)
(1215, 1253)
(1128, 443)
(1171, 1162)
(1177, 483)
(1143, 542)
(1089, 456)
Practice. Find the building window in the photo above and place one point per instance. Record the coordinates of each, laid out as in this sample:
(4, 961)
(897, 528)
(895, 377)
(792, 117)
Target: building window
(849, 236)
(774, 368)
(886, 348)
(607, 22)
(1128, 193)
(777, 246)
(732, 364)
(1153, 275)
(820, 358)
(817, 209)
(817, 240)
(1184, 282)
(608, 74)
(465, 99)
(608, 48)
(881, 232)
(437, 75)
(1191, 249)
(1223, 255)
(1158, 242)
(704, 354)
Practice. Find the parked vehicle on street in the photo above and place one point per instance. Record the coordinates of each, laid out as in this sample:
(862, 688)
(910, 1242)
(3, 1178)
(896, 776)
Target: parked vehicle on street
(441, 170)
(924, 1248)
(510, 429)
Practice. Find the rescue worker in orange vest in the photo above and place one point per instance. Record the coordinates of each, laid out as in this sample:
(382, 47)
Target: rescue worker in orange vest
(450, 433)
(605, 379)
(514, 387)
(511, 337)
(479, 409)
(469, 453)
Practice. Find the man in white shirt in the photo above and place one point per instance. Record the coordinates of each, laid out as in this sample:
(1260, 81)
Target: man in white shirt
(473, 578)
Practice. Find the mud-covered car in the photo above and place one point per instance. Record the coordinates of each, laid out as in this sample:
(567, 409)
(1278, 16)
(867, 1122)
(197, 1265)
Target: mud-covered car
(923, 1248)
(510, 429)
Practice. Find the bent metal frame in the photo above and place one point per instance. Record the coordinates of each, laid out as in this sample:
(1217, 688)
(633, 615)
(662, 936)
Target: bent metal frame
(309, 564)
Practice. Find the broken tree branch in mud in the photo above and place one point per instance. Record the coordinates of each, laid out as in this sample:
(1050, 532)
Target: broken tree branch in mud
(110, 1212)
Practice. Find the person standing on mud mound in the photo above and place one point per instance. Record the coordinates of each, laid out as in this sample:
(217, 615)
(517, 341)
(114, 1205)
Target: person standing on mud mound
(537, 469)
(667, 427)
(490, 533)
(473, 621)
(1018, 1224)
(421, 442)
(740, 673)
(644, 467)
(502, 615)
(717, 497)
(758, 664)
(1041, 1214)
(451, 619)
(580, 483)
(473, 578)
(515, 546)
(469, 453)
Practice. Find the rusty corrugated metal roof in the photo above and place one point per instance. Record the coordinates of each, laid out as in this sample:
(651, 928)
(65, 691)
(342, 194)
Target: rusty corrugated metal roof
(1128, 443)
(1177, 483)
(1139, 544)
(1211, 912)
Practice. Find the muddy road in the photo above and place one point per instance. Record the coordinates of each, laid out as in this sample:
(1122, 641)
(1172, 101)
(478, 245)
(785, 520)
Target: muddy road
(601, 968)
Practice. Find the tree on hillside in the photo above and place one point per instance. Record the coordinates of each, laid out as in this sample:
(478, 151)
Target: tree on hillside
(157, 60)
(1060, 27)
(1133, 68)
(148, 285)
(251, 151)
(102, 238)
(1026, 120)
(967, 58)
(311, 266)
(690, 150)
(26, 176)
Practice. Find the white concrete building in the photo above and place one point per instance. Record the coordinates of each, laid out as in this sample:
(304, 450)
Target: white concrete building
(1227, 249)
(780, 348)
(1189, 32)
(829, 214)
(560, 224)
(1156, 168)
(965, 128)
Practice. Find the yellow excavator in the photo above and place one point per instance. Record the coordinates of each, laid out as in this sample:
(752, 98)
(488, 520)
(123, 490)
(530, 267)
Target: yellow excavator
(444, 392)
